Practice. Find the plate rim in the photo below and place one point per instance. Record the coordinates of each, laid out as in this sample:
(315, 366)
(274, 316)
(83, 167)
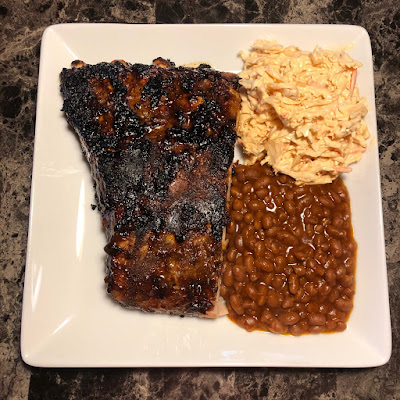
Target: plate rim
(57, 29)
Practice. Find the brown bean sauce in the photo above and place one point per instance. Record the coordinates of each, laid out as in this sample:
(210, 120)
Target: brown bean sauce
(289, 264)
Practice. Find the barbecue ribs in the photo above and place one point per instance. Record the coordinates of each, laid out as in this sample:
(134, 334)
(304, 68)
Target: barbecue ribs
(159, 141)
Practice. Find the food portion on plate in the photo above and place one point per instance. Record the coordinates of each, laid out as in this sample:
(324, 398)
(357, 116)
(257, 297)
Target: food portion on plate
(160, 141)
(289, 265)
(301, 111)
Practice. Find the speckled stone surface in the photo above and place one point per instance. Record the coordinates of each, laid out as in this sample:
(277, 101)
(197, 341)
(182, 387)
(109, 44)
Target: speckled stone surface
(21, 25)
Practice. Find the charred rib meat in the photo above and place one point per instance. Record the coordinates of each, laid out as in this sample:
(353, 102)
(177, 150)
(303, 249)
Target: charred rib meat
(159, 141)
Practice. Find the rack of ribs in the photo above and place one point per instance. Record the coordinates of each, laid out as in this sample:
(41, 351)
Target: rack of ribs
(159, 140)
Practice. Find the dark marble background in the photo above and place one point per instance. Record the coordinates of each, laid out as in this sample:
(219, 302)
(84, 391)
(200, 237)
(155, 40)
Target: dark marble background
(21, 25)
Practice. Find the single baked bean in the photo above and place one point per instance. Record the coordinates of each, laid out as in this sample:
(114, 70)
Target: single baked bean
(257, 225)
(310, 288)
(276, 326)
(304, 201)
(247, 188)
(320, 256)
(287, 303)
(333, 295)
(262, 182)
(247, 322)
(330, 325)
(311, 263)
(316, 210)
(335, 196)
(344, 305)
(326, 201)
(318, 240)
(282, 217)
(305, 298)
(259, 249)
(238, 204)
(278, 200)
(251, 291)
(250, 243)
(351, 246)
(335, 232)
(236, 216)
(340, 271)
(300, 293)
(324, 308)
(236, 303)
(262, 295)
(297, 329)
(239, 175)
(267, 221)
(327, 213)
(272, 298)
(298, 231)
(273, 190)
(289, 206)
(269, 255)
(254, 276)
(319, 228)
(320, 271)
(239, 273)
(261, 300)
(316, 319)
(289, 318)
(239, 243)
(266, 316)
(264, 264)
(349, 292)
(316, 329)
(287, 238)
(236, 192)
(337, 221)
(299, 254)
(262, 194)
(223, 291)
(337, 315)
(228, 276)
(341, 326)
(278, 282)
(346, 281)
(310, 274)
(293, 283)
(252, 174)
(336, 248)
(248, 232)
(255, 205)
(248, 218)
(280, 262)
(288, 270)
(232, 254)
(238, 286)
(271, 232)
(249, 263)
(324, 289)
(299, 270)
(312, 219)
(231, 227)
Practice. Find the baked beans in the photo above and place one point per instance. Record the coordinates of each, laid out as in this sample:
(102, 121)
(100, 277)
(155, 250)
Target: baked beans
(289, 264)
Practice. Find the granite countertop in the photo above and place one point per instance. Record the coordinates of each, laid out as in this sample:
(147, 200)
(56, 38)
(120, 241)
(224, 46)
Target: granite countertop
(21, 27)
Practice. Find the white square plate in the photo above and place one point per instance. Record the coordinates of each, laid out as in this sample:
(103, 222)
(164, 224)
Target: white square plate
(70, 321)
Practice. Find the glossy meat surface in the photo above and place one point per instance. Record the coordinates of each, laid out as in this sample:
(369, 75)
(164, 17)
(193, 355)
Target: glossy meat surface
(159, 141)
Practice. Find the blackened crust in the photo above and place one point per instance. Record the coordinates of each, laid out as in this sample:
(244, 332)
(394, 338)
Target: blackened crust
(159, 141)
